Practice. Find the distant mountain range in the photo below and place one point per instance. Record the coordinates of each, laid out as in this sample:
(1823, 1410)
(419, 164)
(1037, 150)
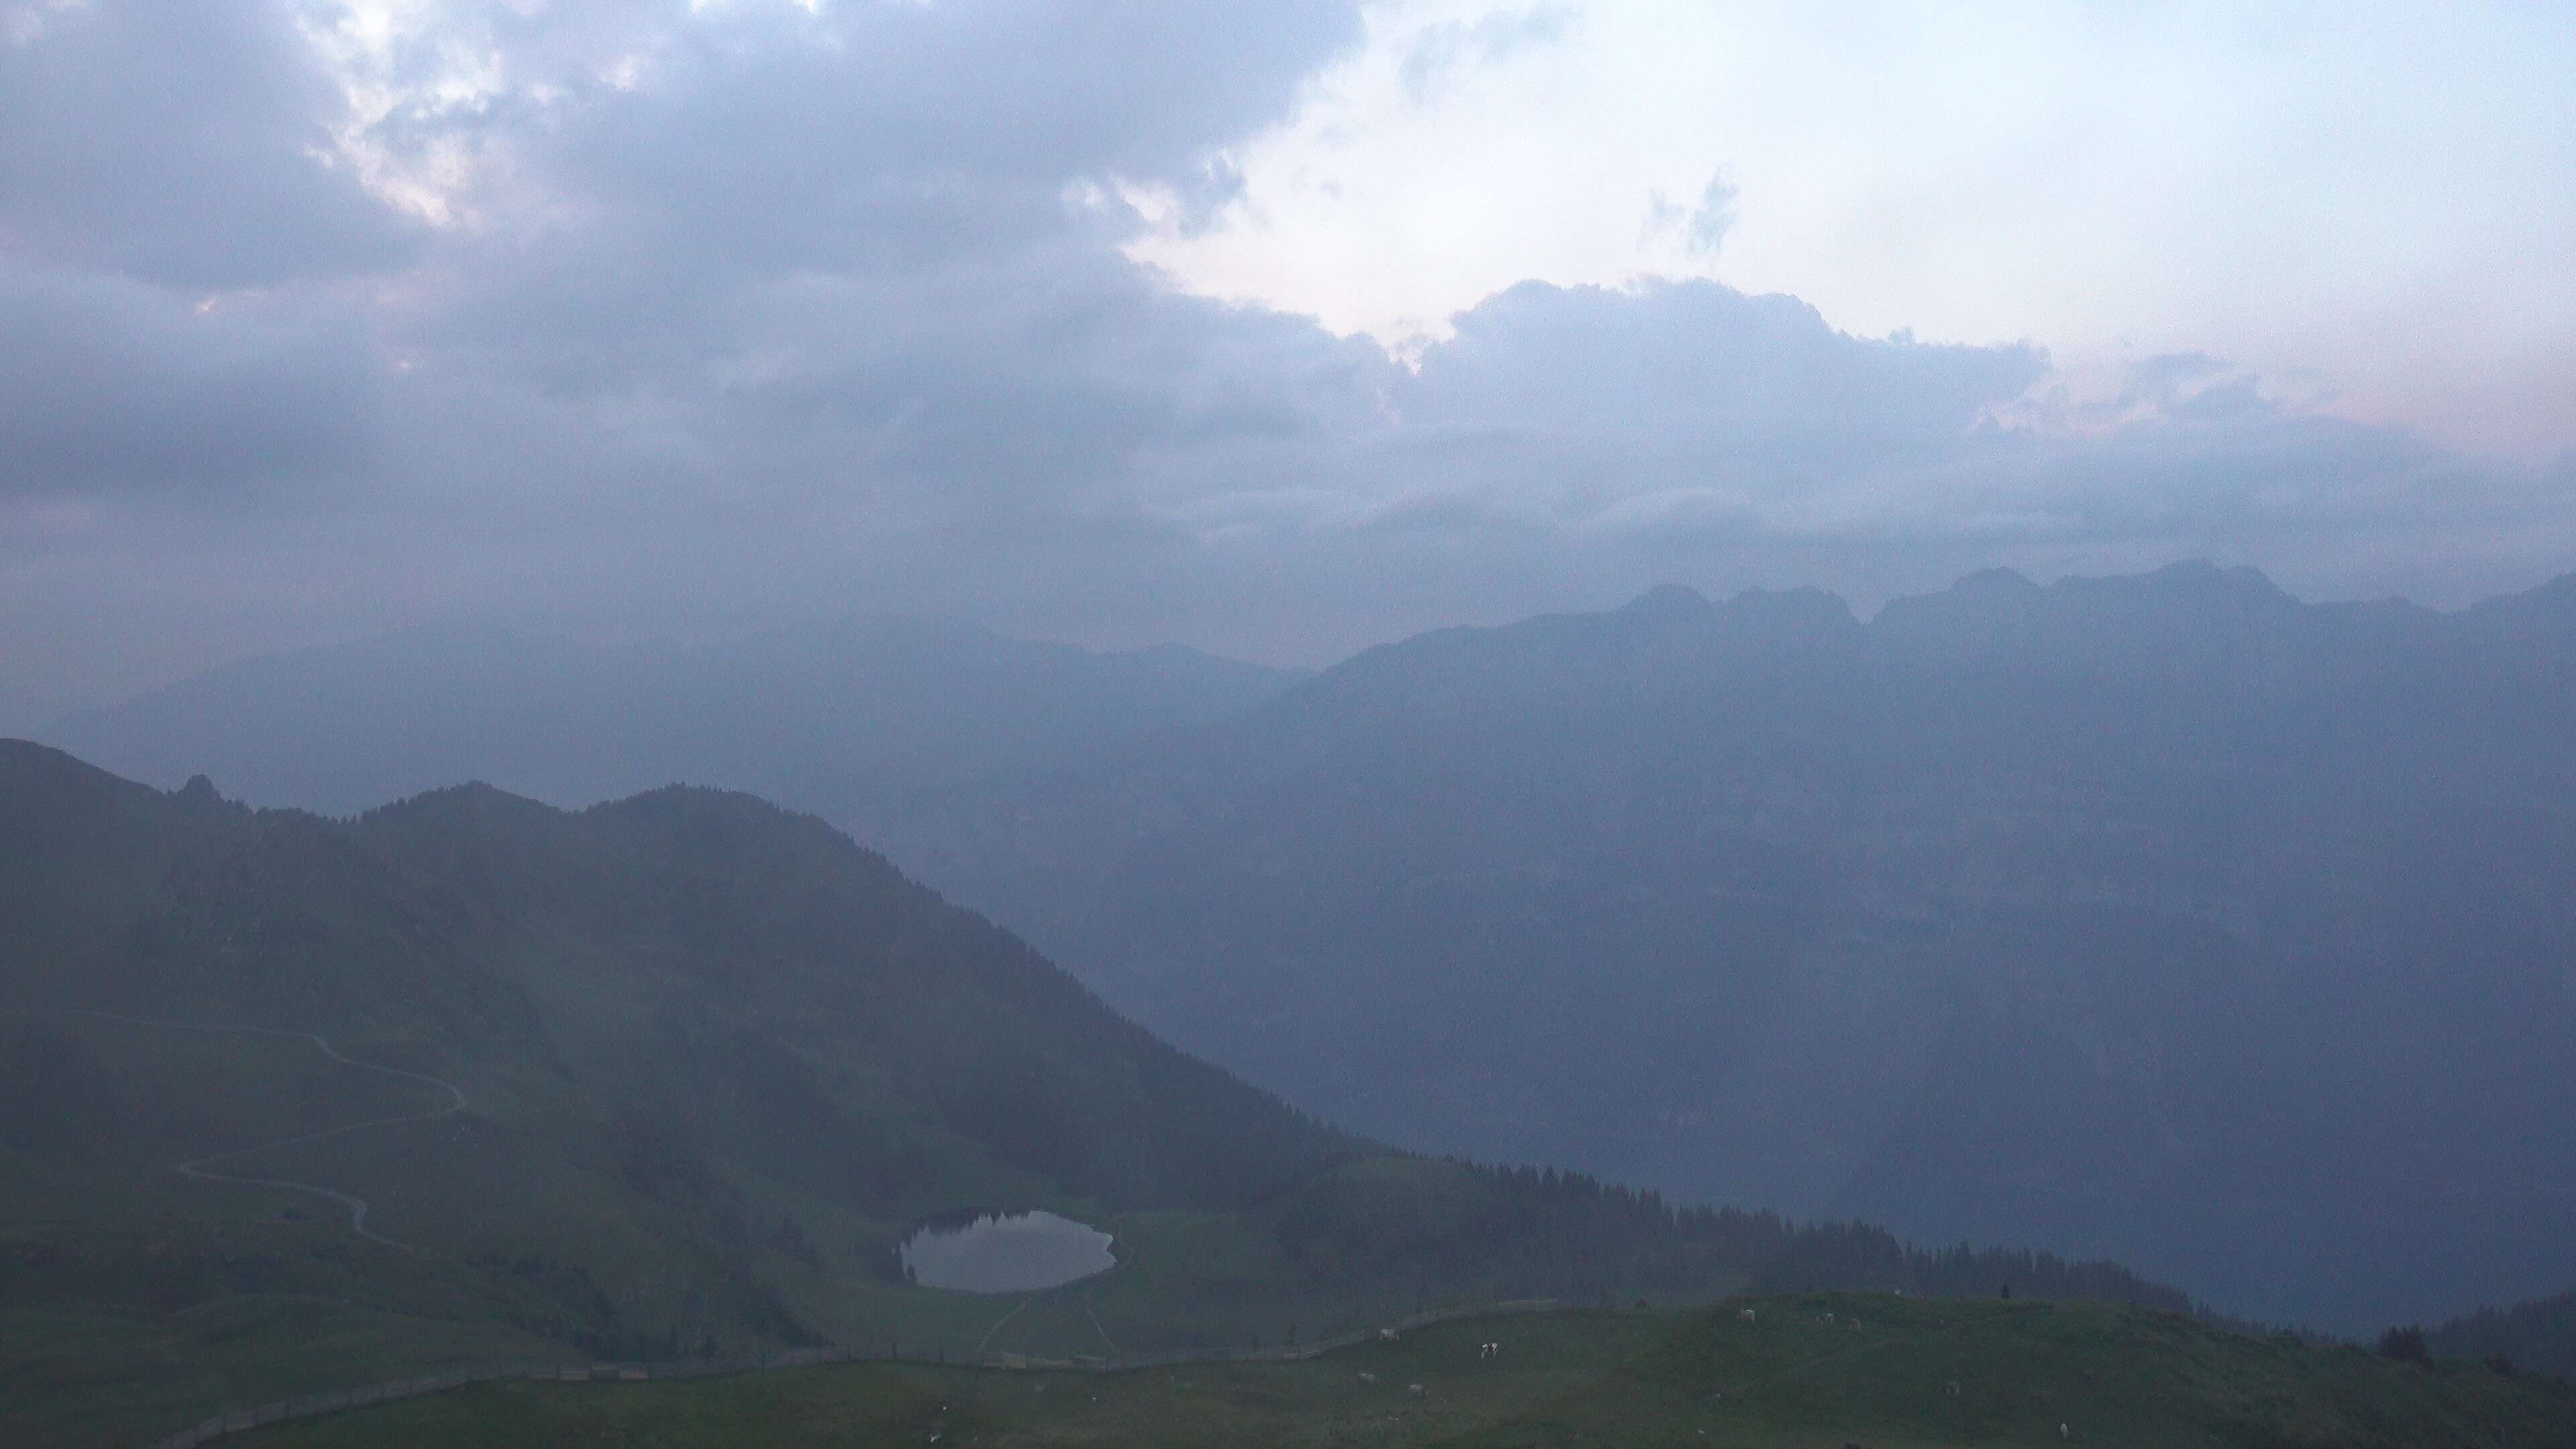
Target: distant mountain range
(2166, 918)
(825, 716)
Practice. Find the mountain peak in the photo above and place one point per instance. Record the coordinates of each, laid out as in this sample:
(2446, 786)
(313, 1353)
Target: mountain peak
(2554, 595)
(1668, 601)
(1995, 581)
(2199, 578)
(1799, 608)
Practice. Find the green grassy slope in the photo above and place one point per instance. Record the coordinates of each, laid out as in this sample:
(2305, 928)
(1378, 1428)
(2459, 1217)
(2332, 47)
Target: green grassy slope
(109, 1373)
(716, 1060)
(2111, 1375)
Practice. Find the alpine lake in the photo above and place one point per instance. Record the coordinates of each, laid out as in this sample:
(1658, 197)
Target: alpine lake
(1006, 1253)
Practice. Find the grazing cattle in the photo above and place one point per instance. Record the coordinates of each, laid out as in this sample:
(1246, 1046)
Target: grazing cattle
(1951, 1388)
(1829, 1320)
(1414, 1389)
(1386, 1334)
(1489, 1350)
(2061, 1432)
(1366, 1377)
(1744, 1315)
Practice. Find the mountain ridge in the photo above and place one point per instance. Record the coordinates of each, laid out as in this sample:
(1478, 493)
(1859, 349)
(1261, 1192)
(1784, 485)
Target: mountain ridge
(2167, 837)
(867, 704)
(2152, 834)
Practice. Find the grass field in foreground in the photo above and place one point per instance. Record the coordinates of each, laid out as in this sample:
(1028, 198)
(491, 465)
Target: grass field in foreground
(100, 1376)
(1703, 1377)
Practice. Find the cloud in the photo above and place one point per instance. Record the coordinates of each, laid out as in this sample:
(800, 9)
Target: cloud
(1701, 229)
(852, 134)
(697, 319)
(107, 384)
(180, 142)
(1441, 51)
(1675, 512)
(1715, 374)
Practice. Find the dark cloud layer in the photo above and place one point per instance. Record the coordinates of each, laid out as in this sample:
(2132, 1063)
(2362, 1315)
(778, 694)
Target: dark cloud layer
(106, 384)
(668, 320)
(180, 142)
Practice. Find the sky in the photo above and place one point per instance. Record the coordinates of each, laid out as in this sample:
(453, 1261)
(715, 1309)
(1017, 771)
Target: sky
(1277, 330)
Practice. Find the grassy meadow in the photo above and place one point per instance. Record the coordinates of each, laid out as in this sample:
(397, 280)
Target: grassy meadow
(1889, 1372)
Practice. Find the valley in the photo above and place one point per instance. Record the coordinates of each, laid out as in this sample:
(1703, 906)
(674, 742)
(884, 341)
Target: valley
(2129, 917)
(2163, 918)
(1353, 724)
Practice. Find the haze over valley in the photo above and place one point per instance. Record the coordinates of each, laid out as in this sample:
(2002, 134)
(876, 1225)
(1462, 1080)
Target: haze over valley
(1511, 723)
(2160, 918)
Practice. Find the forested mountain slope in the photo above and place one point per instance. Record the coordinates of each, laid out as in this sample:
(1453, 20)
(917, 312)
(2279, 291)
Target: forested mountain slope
(2162, 917)
(2534, 1337)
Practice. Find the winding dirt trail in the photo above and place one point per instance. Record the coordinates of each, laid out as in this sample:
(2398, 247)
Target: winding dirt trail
(1002, 1321)
(196, 1167)
(1096, 1328)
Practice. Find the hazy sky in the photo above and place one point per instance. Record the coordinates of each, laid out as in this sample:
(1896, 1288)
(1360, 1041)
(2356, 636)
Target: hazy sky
(1277, 329)
(2366, 203)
